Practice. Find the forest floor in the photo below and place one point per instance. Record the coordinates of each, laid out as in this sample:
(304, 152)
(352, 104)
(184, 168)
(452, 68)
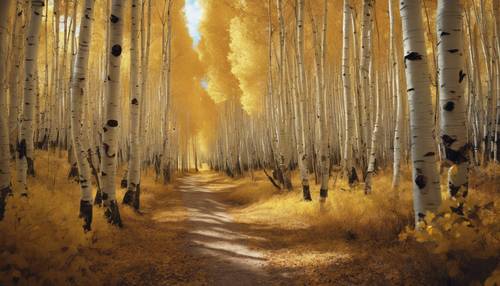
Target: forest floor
(208, 229)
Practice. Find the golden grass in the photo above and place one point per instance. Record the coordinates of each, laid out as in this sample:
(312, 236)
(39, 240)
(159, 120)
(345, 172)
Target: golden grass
(42, 241)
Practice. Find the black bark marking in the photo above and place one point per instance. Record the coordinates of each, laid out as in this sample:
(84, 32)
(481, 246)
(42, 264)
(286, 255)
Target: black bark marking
(112, 123)
(86, 214)
(323, 193)
(411, 89)
(135, 101)
(459, 209)
(461, 76)
(4, 193)
(106, 150)
(114, 19)
(113, 214)
(413, 56)
(452, 51)
(444, 34)
(448, 140)
(429, 154)
(421, 216)
(456, 156)
(449, 106)
(353, 176)
(453, 189)
(21, 149)
(116, 50)
(421, 181)
(306, 193)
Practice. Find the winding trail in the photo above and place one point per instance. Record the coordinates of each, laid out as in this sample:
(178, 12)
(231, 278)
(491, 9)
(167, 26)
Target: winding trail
(215, 237)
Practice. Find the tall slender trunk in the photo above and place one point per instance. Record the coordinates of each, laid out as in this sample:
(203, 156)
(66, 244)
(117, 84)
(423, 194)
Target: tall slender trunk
(112, 112)
(5, 184)
(373, 146)
(299, 121)
(426, 193)
(398, 130)
(284, 159)
(15, 78)
(364, 104)
(320, 106)
(79, 137)
(132, 196)
(496, 13)
(25, 146)
(346, 78)
(451, 72)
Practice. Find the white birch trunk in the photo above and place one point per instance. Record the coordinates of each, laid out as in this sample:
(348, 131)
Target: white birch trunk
(346, 78)
(112, 113)
(132, 196)
(426, 193)
(15, 78)
(373, 146)
(394, 54)
(301, 94)
(25, 142)
(451, 72)
(79, 136)
(5, 184)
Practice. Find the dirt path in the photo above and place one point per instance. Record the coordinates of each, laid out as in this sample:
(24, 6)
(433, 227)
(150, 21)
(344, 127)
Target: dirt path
(215, 238)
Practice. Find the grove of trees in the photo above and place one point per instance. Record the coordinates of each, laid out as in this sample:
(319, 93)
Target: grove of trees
(316, 86)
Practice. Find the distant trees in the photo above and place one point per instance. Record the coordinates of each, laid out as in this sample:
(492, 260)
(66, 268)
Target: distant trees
(279, 89)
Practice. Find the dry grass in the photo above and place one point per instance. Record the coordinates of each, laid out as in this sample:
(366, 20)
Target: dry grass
(42, 242)
(353, 238)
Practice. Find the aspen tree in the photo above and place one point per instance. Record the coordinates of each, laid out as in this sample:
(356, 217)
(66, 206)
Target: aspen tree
(425, 177)
(79, 138)
(346, 79)
(366, 31)
(110, 128)
(25, 154)
(373, 146)
(15, 92)
(394, 66)
(5, 183)
(496, 13)
(451, 89)
(282, 93)
(301, 94)
(132, 196)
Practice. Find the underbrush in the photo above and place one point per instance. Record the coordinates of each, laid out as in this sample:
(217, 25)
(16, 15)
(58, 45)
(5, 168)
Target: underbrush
(467, 245)
(42, 238)
(346, 213)
(469, 239)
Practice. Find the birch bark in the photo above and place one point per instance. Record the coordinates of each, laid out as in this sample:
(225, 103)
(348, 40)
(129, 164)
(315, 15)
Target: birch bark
(78, 84)
(25, 143)
(5, 184)
(132, 196)
(426, 193)
(451, 72)
(110, 128)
